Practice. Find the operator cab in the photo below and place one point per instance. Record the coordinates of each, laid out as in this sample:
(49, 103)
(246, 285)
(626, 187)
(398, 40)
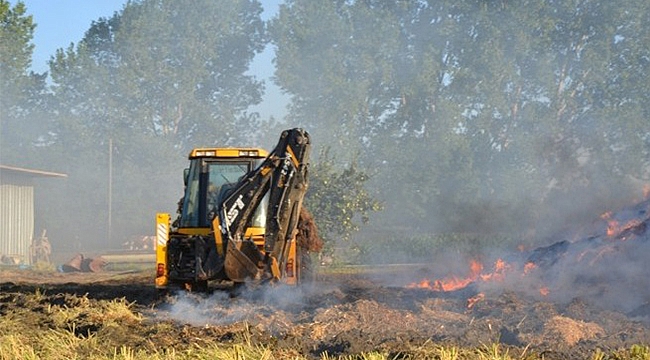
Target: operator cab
(212, 173)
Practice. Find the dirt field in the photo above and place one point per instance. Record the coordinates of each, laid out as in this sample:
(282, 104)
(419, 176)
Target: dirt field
(341, 314)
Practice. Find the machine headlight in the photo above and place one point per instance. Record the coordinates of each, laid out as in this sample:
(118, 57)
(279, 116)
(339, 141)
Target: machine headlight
(251, 153)
(206, 153)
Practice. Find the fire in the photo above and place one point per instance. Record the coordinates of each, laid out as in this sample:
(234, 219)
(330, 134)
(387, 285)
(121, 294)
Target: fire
(544, 291)
(449, 284)
(612, 225)
(614, 228)
(612, 238)
(530, 266)
(500, 268)
(452, 283)
(474, 299)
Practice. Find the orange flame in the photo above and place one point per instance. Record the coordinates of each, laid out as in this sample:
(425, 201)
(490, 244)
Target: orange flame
(615, 229)
(449, 284)
(530, 266)
(544, 291)
(612, 225)
(474, 299)
(452, 283)
(612, 228)
(500, 268)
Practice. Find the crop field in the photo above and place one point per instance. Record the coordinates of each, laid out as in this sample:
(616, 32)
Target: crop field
(347, 314)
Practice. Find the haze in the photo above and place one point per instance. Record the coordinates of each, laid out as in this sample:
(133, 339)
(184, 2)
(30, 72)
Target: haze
(500, 119)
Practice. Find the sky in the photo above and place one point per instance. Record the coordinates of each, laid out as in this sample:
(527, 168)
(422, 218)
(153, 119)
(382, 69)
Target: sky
(62, 22)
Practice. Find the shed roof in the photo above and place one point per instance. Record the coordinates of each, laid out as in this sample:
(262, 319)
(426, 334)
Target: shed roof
(30, 172)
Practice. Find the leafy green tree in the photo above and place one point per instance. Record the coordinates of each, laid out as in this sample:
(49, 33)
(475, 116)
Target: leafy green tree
(622, 100)
(574, 124)
(331, 57)
(154, 80)
(374, 76)
(338, 198)
(23, 98)
(475, 113)
(167, 68)
(16, 33)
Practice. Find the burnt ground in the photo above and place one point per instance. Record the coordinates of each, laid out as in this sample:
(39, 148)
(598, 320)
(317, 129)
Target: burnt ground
(341, 314)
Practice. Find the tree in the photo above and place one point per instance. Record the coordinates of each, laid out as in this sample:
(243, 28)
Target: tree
(168, 69)
(338, 198)
(474, 112)
(22, 91)
(154, 80)
(375, 77)
(16, 33)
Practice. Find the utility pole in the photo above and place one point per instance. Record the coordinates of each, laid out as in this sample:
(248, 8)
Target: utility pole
(110, 191)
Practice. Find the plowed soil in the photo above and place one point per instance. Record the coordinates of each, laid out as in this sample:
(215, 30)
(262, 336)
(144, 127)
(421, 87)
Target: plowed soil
(341, 314)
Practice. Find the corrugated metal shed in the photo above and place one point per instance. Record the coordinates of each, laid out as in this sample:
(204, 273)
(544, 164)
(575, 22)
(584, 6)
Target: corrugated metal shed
(17, 212)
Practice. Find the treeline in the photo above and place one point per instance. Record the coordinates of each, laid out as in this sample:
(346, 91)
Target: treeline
(458, 116)
(477, 116)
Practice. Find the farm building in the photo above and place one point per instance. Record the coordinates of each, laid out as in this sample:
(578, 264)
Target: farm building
(17, 212)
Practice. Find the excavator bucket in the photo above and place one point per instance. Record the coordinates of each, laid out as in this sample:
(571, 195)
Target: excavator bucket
(240, 263)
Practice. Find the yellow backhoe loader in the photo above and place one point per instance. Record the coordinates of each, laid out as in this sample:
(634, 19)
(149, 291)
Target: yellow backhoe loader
(238, 218)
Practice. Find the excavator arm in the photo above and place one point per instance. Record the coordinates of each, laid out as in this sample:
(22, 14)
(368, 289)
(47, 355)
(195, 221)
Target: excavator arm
(283, 175)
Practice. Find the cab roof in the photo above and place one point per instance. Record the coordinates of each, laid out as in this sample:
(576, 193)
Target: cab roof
(229, 152)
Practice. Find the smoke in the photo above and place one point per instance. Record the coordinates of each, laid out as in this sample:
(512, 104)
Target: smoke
(603, 265)
(595, 271)
(269, 306)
